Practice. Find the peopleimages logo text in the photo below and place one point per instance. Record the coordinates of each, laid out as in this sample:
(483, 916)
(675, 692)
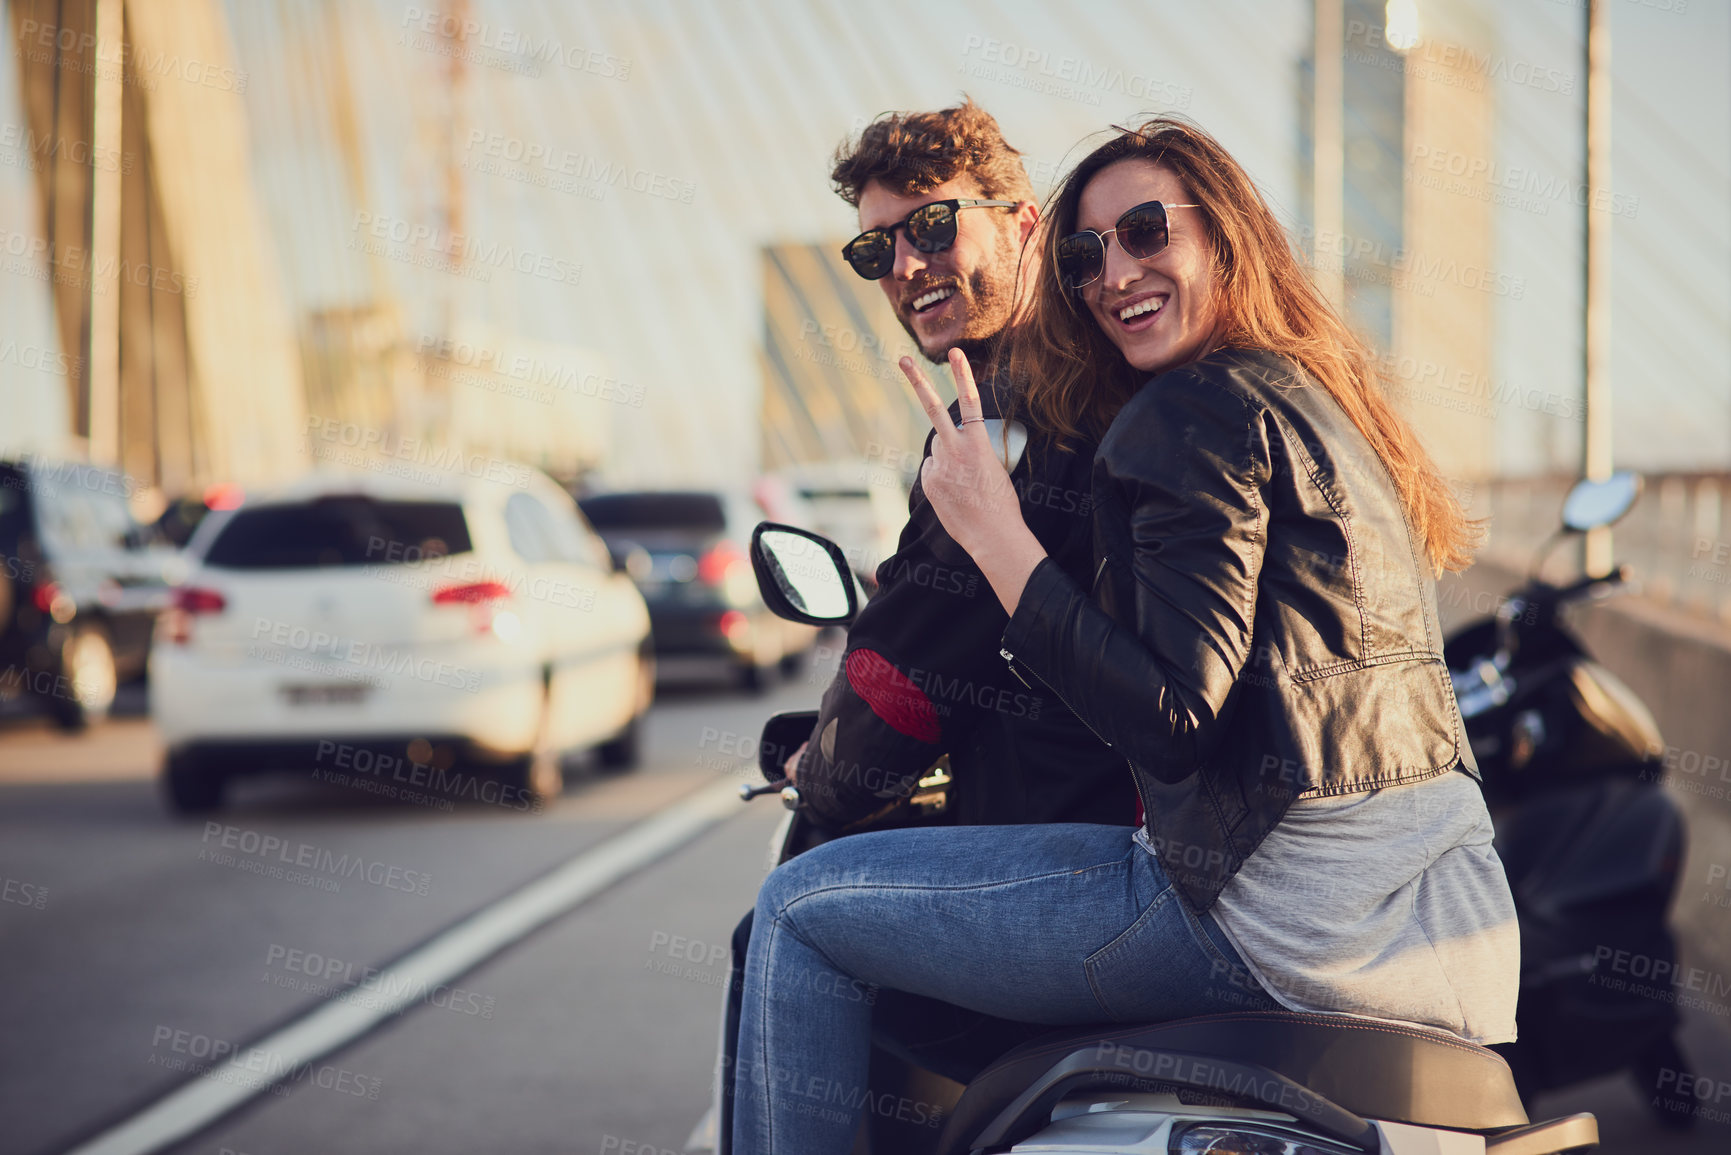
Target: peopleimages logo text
(515, 42)
(320, 858)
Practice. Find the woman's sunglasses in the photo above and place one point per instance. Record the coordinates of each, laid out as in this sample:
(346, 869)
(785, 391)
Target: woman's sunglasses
(1142, 232)
(931, 229)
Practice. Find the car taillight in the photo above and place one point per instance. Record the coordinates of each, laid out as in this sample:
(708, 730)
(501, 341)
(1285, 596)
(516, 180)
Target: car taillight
(714, 566)
(224, 496)
(472, 593)
(54, 601)
(175, 625)
(725, 567)
(194, 600)
(487, 613)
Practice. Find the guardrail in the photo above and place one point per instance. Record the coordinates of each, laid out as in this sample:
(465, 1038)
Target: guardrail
(1679, 664)
(1677, 539)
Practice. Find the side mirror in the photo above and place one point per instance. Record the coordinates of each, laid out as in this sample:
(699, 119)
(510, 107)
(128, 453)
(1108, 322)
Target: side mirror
(803, 576)
(782, 735)
(1592, 504)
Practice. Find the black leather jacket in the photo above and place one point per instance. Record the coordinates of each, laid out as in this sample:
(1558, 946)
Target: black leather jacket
(1263, 620)
(922, 677)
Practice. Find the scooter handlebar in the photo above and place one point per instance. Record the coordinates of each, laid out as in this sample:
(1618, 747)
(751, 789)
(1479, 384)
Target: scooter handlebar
(1580, 588)
(789, 792)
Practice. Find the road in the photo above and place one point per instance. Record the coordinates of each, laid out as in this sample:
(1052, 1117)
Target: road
(134, 946)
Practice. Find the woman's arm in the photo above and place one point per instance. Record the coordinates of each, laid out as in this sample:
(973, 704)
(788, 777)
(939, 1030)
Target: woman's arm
(1185, 460)
(1184, 463)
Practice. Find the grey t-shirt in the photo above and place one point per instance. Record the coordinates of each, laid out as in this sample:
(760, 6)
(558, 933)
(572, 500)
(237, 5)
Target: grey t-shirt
(1389, 903)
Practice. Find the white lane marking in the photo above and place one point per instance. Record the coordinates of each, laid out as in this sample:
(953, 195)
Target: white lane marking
(338, 1021)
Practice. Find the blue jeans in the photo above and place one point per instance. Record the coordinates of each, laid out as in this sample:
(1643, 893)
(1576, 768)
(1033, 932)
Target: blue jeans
(1056, 924)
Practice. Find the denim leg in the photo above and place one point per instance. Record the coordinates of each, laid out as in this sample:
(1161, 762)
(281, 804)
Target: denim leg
(801, 1077)
(1052, 924)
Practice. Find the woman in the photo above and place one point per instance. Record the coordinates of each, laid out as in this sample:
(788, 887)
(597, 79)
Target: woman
(1260, 643)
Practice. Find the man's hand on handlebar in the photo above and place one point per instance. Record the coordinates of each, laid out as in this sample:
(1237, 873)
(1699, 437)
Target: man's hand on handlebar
(791, 766)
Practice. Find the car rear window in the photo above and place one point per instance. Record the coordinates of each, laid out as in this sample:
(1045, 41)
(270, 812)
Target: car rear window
(688, 511)
(339, 531)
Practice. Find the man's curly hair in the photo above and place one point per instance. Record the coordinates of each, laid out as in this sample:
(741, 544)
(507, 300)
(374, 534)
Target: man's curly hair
(914, 152)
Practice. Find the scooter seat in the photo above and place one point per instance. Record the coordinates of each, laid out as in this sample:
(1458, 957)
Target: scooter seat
(1388, 1071)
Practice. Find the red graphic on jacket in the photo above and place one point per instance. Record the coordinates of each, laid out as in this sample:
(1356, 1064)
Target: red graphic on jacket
(893, 696)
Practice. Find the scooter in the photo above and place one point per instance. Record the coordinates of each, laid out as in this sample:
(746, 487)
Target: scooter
(1592, 846)
(1252, 1083)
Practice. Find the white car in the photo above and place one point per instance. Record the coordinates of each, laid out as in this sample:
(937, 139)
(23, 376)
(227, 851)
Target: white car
(448, 637)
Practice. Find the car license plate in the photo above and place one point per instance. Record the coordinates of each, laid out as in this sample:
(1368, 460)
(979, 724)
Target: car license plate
(326, 693)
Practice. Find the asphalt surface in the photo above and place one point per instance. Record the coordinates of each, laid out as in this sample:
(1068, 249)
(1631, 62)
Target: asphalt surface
(134, 944)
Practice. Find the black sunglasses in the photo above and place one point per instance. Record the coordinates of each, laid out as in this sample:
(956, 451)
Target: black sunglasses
(1142, 231)
(931, 229)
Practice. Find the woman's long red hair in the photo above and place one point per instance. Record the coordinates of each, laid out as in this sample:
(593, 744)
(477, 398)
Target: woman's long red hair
(1075, 380)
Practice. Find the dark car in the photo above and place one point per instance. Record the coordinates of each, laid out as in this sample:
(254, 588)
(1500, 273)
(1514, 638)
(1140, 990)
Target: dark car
(81, 585)
(688, 552)
(181, 516)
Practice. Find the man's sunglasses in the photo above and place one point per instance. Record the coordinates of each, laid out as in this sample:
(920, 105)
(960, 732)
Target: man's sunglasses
(1142, 232)
(931, 229)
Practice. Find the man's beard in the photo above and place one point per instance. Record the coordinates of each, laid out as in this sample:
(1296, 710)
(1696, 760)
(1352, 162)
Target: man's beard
(989, 295)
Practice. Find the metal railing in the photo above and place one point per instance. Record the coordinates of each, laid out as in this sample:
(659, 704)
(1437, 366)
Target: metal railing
(1676, 541)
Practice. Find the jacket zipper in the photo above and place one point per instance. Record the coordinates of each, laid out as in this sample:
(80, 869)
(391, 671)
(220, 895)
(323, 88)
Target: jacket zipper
(1010, 660)
(1135, 780)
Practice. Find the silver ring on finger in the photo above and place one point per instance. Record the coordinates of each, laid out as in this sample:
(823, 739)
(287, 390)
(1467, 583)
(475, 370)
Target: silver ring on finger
(965, 420)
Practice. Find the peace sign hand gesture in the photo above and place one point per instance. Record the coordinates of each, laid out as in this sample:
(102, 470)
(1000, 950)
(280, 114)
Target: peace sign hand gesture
(968, 487)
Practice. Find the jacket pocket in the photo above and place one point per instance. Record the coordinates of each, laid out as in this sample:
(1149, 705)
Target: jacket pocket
(1381, 721)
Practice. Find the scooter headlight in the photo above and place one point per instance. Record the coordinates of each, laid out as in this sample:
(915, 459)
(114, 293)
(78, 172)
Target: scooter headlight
(1250, 1139)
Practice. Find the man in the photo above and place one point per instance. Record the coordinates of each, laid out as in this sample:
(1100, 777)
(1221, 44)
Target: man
(945, 208)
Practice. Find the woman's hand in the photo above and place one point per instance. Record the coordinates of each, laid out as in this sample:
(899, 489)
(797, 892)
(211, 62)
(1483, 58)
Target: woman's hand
(966, 483)
(790, 768)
